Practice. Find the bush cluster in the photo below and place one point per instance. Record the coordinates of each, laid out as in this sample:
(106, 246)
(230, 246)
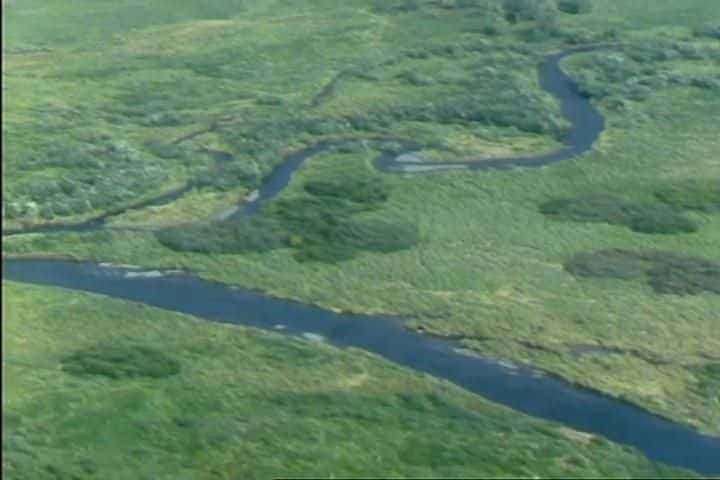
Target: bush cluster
(99, 173)
(709, 31)
(254, 235)
(574, 7)
(322, 224)
(637, 70)
(665, 272)
(708, 376)
(325, 225)
(121, 361)
(653, 218)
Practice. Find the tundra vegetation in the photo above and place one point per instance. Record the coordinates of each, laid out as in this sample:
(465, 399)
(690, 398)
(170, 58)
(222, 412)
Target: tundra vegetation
(616, 249)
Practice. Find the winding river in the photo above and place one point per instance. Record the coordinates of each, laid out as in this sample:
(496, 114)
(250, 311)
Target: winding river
(519, 388)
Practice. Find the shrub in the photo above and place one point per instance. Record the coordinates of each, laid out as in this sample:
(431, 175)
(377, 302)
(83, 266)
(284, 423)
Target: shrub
(650, 218)
(323, 225)
(254, 235)
(665, 272)
(574, 7)
(370, 191)
(706, 83)
(13, 210)
(654, 220)
(596, 207)
(710, 31)
(701, 195)
(121, 361)
(708, 379)
(493, 25)
(684, 275)
(416, 79)
(163, 119)
(612, 263)
(343, 239)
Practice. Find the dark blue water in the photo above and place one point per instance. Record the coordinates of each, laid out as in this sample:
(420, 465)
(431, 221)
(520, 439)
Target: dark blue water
(519, 388)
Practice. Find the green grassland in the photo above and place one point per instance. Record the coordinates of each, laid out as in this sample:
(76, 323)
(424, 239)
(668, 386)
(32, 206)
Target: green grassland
(487, 265)
(104, 389)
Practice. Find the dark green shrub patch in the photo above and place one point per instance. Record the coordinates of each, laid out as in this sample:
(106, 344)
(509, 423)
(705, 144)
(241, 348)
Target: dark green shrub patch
(634, 71)
(320, 226)
(416, 79)
(165, 150)
(254, 235)
(709, 31)
(657, 219)
(380, 235)
(684, 275)
(324, 225)
(708, 376)
(270, 100)
(653, 218)
(701, 195)
(574, 7)
(665, 272)
(119, 361)
(588, 208)
(370, 191)
(612, 263)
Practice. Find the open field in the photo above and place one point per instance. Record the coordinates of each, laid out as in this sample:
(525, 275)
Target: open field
(90, 119)
(98, 388)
